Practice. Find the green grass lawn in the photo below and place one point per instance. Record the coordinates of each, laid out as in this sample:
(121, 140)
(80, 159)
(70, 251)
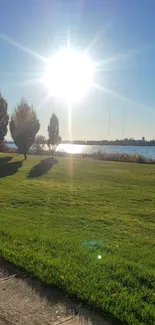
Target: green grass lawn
(85, 225)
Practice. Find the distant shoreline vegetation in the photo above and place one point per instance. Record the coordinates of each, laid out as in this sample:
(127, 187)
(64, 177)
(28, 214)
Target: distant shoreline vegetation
(118, 157)
(125, 142)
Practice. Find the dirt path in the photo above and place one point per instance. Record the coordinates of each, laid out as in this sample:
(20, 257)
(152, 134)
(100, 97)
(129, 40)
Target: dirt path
(25, 301)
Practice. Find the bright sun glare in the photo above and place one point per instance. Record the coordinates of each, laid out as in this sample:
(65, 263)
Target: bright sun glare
(69, 75)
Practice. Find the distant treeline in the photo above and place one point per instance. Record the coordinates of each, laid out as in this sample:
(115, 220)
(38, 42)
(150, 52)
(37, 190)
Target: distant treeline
(125, 142)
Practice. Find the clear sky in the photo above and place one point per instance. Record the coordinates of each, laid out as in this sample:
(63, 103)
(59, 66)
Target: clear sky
(118, 32)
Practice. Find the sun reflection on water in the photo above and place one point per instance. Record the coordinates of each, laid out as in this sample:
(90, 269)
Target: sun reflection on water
(70, 148)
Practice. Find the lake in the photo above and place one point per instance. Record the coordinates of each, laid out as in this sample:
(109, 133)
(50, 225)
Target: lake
(146, 151)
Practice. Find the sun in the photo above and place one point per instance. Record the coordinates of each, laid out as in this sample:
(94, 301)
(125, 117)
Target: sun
(69, 75)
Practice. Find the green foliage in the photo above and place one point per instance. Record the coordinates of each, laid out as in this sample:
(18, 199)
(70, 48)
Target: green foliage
(39, 144)
(40, 139)
(53, 132)
(24, 126)
(57, 226)
(4, 118)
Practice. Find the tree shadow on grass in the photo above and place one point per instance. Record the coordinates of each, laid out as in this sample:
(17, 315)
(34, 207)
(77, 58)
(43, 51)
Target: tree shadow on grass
(8, 169)
(42, 168)
(4, 160)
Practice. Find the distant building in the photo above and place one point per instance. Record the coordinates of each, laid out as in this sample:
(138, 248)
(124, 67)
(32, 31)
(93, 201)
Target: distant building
(143, 138)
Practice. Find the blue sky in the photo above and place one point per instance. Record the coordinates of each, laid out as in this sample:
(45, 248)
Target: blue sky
(120, 32)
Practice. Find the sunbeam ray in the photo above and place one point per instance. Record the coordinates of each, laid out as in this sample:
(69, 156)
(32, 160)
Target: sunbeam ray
(109, 91)
(21, 47)
(44, 100)
(123, 98)
(70, 120)
(117, 68)
(70, 138)
(118, 57)
(28, 82)
(97, 37)
(21, 74)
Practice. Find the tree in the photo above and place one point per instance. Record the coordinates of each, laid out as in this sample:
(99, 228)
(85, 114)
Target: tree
(39, 144)
(53, 132)
(24, 125)
(4, 118)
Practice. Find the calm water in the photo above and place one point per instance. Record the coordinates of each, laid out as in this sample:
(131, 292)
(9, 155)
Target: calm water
(77, 148)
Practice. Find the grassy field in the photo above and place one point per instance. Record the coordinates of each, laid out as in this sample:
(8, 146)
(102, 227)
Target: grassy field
(85, 225)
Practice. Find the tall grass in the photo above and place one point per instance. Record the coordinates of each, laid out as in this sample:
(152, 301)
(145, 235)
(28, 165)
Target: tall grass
(123, 157)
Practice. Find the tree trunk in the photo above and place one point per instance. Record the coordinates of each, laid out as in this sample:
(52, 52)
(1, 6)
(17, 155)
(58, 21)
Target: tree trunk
(25, 156)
